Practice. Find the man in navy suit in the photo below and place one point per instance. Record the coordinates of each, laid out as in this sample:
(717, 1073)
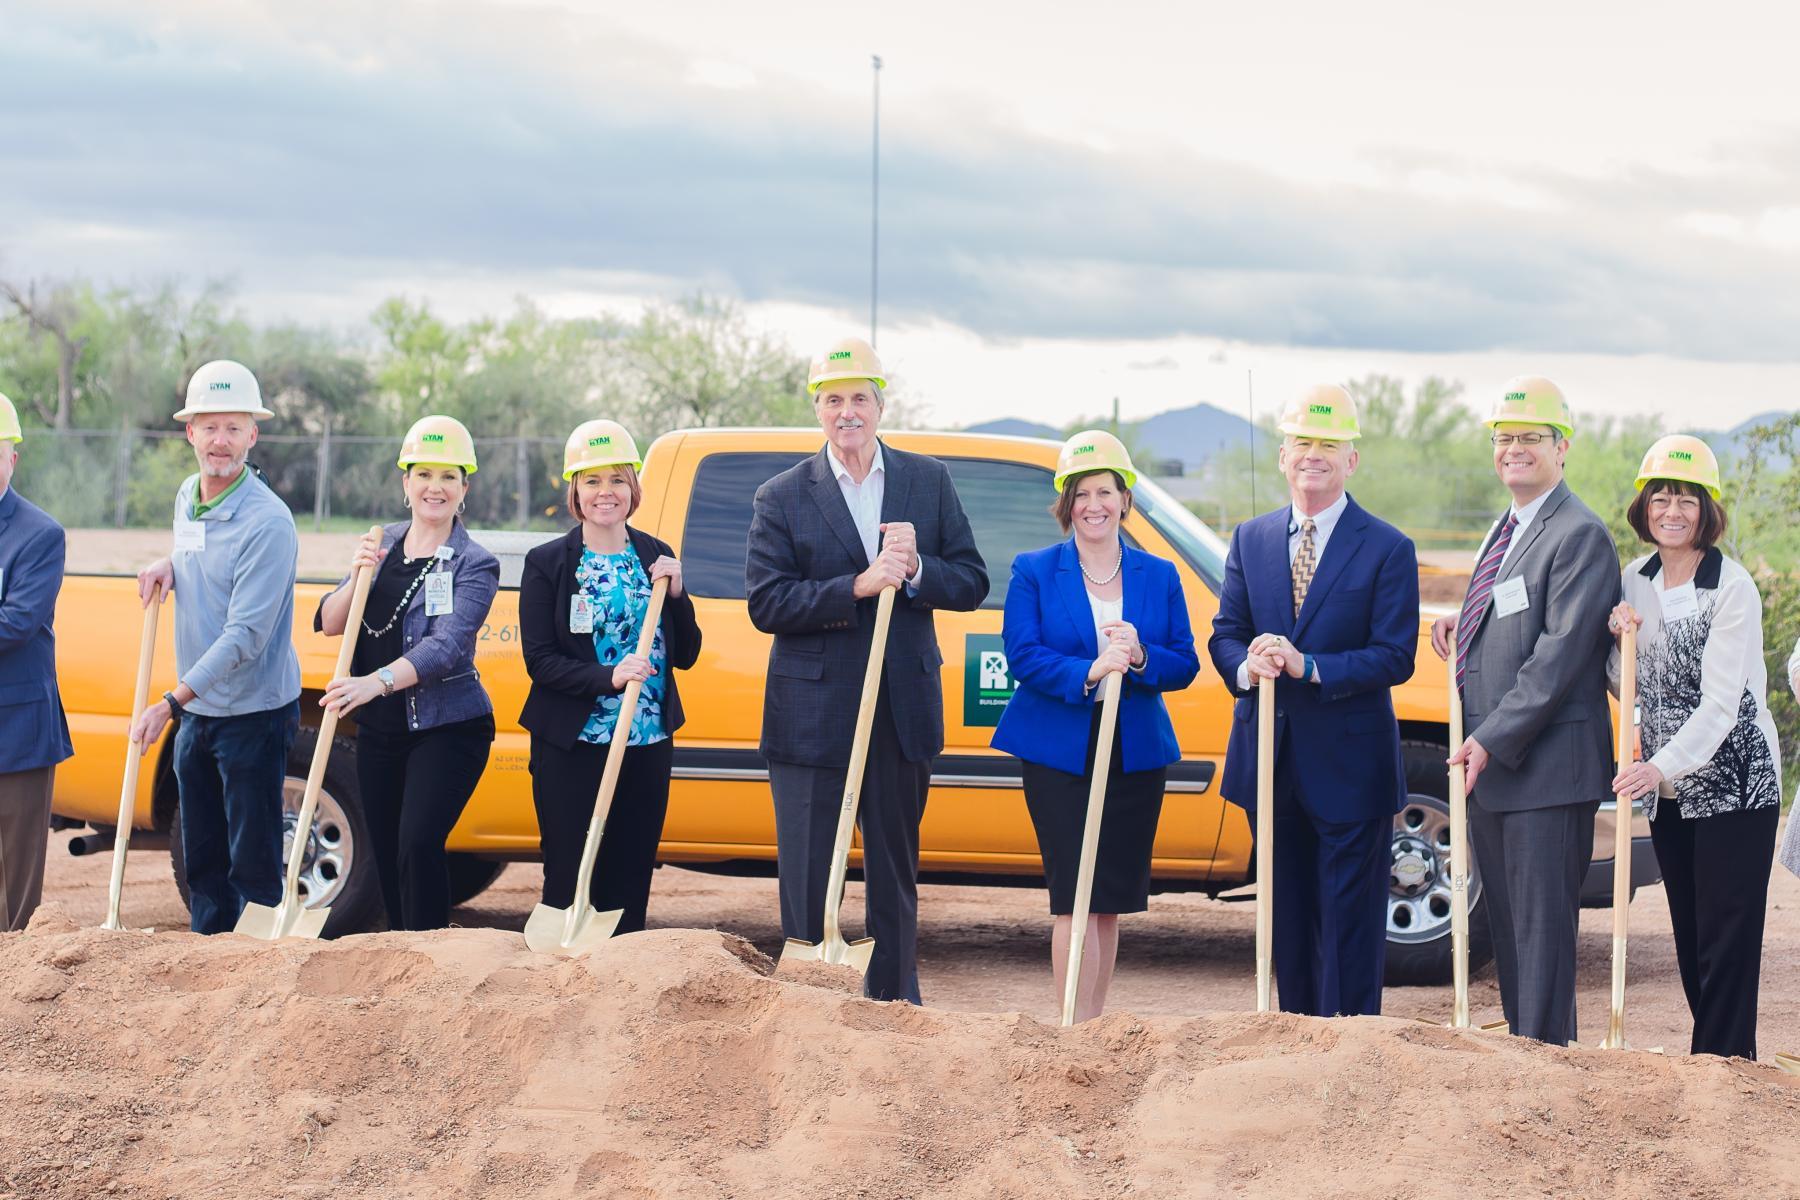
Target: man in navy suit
(1324, 599)
(36, 734)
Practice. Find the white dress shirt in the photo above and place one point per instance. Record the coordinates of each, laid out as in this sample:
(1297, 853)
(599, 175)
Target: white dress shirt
(1323, 523)
(864, 501)
(1524, 517)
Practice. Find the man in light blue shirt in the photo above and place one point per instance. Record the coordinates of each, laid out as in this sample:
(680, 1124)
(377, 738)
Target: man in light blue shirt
(233, 570)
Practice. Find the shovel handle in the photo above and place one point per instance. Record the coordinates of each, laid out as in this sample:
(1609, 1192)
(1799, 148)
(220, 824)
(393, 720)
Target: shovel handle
(1090, 841)
(1459, 862)
(315, 775)
(1621, 899)
(853, 776)
(615, 757)
(134, 756)
(1265, 837)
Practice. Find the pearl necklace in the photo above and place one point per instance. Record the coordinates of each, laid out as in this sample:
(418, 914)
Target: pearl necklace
(1117, 567)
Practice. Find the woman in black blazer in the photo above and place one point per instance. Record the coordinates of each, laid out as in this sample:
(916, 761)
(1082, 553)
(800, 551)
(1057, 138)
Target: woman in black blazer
(582, 602)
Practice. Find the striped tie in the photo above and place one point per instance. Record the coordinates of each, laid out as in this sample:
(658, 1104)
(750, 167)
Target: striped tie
(1481, 591)
(1303, 563)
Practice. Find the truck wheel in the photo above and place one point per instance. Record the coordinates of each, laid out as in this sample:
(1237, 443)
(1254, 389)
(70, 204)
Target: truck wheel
(470, 876)
(1418, 913)
(339, 868)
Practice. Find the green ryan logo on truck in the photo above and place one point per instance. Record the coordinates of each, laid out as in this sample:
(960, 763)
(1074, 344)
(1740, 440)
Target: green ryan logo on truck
(987, 682)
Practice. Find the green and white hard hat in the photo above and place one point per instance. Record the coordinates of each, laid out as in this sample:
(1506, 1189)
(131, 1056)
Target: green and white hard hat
(9, 422)
(1532, 400)
(1682, 457)
(441, 440)
(222, 386)
(1326, 412)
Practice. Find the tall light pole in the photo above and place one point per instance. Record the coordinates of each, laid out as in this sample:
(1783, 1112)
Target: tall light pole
(875, 201)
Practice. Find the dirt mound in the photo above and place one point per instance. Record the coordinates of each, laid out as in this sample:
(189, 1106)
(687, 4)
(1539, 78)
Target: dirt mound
(674, 1063)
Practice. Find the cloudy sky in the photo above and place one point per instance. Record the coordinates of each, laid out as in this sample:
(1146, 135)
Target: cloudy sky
(1139, 200)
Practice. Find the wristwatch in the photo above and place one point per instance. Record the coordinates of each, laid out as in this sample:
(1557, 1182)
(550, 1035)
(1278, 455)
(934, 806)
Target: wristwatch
(387, 681)
(175, 709)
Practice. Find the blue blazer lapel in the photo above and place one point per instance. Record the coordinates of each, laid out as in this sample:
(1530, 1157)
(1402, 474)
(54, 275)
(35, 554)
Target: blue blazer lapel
(9, 504)
(1133, 611)
(1345, 541)
(896, 488)
(830, 500)
(1074, 591)
(1272, 565)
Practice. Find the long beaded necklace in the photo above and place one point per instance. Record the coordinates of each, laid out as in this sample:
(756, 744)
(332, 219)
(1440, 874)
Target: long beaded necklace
(406, 599)
(1117, 567)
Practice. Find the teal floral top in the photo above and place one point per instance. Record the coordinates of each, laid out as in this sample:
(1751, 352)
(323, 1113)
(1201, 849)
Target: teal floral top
(618, 590)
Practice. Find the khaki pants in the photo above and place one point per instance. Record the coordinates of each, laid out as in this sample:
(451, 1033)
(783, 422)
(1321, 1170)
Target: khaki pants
(24, 840)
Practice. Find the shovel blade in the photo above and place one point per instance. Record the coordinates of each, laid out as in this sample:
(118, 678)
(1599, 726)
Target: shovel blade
(547, 929)
(836, 952)
(283, 921)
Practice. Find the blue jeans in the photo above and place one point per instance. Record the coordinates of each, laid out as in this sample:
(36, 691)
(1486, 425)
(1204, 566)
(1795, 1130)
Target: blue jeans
(229, 772)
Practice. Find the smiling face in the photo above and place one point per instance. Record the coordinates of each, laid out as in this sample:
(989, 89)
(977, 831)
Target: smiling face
(605, 496)
(1528, 471)
(1093, 505)
(1316, 470)
(849, 411)
(435, 490)
(1674, 518)
(222, 442)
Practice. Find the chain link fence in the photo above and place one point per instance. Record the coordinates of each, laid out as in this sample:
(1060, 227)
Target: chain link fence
(127, 478)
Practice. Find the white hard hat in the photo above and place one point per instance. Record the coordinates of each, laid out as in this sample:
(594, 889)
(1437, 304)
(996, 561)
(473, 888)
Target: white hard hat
(223, 386)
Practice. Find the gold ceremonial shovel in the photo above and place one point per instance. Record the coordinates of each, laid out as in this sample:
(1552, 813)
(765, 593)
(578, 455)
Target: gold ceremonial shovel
(134, 756)
(1090, 840)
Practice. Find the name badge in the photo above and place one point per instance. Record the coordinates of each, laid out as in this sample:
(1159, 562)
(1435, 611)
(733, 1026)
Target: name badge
(581, 615)
(1510, 597)
(189, 536)
(1680, 603)
(440, 598)
(444, 553)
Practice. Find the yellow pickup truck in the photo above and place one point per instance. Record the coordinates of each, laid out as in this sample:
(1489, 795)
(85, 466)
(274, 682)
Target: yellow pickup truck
(698, 486)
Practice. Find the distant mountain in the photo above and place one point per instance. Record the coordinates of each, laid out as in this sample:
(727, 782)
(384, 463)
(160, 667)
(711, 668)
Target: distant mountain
(1193, 435)
(1013, 427)
(1729, 443)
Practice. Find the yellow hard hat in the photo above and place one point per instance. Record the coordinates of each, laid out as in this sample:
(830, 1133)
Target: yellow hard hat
(1532, 400)
(9, 422)
(851, 358)
(599, 443)
(1684, 457)
(438, 439)
(222, 386)
(1327, 412)
(1093, 450)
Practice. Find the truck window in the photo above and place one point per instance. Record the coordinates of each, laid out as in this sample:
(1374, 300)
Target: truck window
(1008, 505)
(718, 520)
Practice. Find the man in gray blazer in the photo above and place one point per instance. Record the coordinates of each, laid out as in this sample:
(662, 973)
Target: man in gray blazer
(1531, 643)
(826, 536)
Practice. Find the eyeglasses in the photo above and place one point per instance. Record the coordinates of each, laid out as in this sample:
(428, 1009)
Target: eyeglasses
(1505, 441)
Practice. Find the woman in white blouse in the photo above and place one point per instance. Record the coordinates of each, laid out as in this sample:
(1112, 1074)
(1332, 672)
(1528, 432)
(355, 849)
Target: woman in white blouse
(1711, 772)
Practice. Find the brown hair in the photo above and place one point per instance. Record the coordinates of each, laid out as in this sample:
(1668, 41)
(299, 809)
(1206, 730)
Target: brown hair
(1064, 508)
(631, 481)
(1712, 514)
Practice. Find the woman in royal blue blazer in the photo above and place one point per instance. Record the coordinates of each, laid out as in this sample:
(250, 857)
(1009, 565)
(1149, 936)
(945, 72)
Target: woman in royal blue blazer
(1076, 611)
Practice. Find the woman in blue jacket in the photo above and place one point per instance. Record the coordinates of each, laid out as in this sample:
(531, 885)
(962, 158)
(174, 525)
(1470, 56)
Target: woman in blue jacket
(1075, 612)
(424, 723)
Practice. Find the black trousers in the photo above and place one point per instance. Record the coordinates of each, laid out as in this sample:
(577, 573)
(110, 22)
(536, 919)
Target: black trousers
(564, 786)
(1716, 875)
(414, 788)
(807, 800)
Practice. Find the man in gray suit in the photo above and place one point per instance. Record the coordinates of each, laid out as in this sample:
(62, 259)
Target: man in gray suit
(827, 535)
(1531, 646)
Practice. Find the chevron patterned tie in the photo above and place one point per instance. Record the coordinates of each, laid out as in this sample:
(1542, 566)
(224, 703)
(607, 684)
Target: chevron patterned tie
(1481, 591)
(1304, 563)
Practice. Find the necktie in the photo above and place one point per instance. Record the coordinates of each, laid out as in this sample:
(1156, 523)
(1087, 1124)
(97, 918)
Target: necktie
(1481, 592)
(1304, 563)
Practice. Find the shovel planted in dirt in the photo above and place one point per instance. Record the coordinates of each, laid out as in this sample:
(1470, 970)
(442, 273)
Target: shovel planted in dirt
(1621, 901)
(1265, 838)
(578, 928)
(833, 948)
(291, 918)
(1459, 864)
(134, 756)
(1090, 841)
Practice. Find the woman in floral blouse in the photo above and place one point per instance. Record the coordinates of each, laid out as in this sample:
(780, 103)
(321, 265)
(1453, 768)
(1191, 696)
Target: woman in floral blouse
(1711, 769)
(582, 602)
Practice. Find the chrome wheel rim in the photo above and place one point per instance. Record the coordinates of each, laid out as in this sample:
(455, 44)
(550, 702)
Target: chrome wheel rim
(330, 848)
(1419, 874)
